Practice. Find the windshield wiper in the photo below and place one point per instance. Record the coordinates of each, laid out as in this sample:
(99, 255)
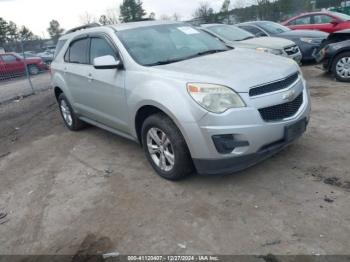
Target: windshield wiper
(247, 38)
(170, 61)
(166, 62)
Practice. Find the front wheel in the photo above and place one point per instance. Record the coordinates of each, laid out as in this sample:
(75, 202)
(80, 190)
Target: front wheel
(341, 67)
(165, 148)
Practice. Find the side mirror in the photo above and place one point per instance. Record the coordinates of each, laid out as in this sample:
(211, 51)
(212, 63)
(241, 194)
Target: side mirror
(107, 62)
(334, 22)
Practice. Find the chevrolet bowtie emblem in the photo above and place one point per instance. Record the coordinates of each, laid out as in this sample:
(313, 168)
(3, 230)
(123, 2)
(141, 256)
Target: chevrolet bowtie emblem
(289, 95)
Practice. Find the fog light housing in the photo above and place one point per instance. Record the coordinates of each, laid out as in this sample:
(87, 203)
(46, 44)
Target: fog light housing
(225, 144)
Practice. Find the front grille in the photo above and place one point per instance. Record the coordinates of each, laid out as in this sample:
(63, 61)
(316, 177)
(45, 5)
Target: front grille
(272, 87)
(292, 50)
(280, 112)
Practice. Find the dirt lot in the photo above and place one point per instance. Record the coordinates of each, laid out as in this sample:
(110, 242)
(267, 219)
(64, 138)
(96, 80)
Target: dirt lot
(19, 86)
(65, 192)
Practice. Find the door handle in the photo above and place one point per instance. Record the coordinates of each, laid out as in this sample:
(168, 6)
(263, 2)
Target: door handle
(90, 77)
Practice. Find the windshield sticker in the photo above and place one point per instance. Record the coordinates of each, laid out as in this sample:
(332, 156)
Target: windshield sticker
(188, 30)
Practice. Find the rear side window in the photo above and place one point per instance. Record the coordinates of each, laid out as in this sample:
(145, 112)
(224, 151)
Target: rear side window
(59, 47)
(322, 19)
(78, 52)
(305, 20)
(251, 29)
(100, 47)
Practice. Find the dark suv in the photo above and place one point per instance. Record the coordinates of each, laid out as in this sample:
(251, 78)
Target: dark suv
(335, 55)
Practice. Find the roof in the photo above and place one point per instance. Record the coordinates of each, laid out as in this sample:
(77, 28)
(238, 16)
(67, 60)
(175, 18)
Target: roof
(91, 28)
(134, 25)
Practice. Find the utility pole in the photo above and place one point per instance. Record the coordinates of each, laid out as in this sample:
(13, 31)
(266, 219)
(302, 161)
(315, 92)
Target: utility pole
(313, 5)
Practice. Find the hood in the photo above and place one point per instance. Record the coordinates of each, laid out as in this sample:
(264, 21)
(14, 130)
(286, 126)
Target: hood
(269, 42)
(304, 33)
(239, 69)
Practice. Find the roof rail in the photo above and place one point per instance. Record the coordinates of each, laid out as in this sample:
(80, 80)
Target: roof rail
(82, 27)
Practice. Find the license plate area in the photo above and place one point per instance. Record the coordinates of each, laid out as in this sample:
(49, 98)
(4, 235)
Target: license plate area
(294, 131)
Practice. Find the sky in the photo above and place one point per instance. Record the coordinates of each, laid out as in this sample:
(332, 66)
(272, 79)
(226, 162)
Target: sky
(36, 14)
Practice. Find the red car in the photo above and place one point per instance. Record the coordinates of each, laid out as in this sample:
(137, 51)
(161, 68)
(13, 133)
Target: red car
(328, 22)
(12, 64)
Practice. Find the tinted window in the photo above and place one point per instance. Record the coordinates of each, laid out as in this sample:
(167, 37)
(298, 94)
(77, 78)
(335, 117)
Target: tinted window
(252, 29)
(305, 20)
(59, 46)
(230, 33)
(78, 52)
(158, 44)
(273, 28)
(8, 58)
(322, 19)
(100, 47)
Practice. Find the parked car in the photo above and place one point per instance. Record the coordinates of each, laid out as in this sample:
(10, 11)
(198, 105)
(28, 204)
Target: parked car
(236, 37)
(309, 41)
(328, 22)
(46, 56)
(12, 64)
(335, 55)
(187, 98)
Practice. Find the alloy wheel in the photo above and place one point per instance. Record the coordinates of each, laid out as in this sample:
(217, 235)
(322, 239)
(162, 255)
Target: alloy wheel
(160, 149)
(66, 113)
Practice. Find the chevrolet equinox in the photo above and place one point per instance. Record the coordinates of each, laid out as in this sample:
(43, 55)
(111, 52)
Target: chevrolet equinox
(193, 103)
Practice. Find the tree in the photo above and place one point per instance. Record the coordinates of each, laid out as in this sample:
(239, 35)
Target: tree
(26, 34)
(55, 30)
(205, 13)
(225, 10)
(176, 17)
(152, 16)
(3, 31)
(131, 11)
(87, 18)
(12, 31)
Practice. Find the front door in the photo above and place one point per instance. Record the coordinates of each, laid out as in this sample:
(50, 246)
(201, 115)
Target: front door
(105, 92)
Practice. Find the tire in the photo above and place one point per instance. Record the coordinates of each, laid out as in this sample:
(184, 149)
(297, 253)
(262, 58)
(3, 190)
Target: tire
(173, 148)
(341, 67)
(70, 119)
(33, 70)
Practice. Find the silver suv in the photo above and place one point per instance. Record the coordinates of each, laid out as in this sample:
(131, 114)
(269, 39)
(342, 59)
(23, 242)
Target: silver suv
(190, 101)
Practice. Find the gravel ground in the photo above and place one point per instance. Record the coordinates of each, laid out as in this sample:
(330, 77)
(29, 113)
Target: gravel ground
(66, 192)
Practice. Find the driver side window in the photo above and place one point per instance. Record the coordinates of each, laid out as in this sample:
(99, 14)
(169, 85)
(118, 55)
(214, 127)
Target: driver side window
(100, 47)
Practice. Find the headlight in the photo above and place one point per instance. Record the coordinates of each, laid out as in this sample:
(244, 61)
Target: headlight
(307, 40)
(214, 98)
(270, 50)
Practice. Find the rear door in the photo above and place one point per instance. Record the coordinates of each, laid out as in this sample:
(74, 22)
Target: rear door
(301, 23)
(105, 92)
(76, 70)
(323, 23)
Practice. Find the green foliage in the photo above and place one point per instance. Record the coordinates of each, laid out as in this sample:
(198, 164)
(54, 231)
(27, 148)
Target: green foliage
(131, 11)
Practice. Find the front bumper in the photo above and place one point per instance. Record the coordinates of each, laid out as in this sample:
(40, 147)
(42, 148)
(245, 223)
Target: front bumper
(236, 164)
(246, 125)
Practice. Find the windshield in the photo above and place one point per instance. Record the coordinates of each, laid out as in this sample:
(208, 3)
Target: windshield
(341, 16)
(163, 44)
(230, 33)
(273, 28)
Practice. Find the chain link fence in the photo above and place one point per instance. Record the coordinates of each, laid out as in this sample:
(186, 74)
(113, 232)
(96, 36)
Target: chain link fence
(24, 68)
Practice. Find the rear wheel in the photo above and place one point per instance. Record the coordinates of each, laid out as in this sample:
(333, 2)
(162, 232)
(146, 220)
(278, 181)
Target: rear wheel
(69, 117)
(165, 148)
(341, 67)
(33, 70)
